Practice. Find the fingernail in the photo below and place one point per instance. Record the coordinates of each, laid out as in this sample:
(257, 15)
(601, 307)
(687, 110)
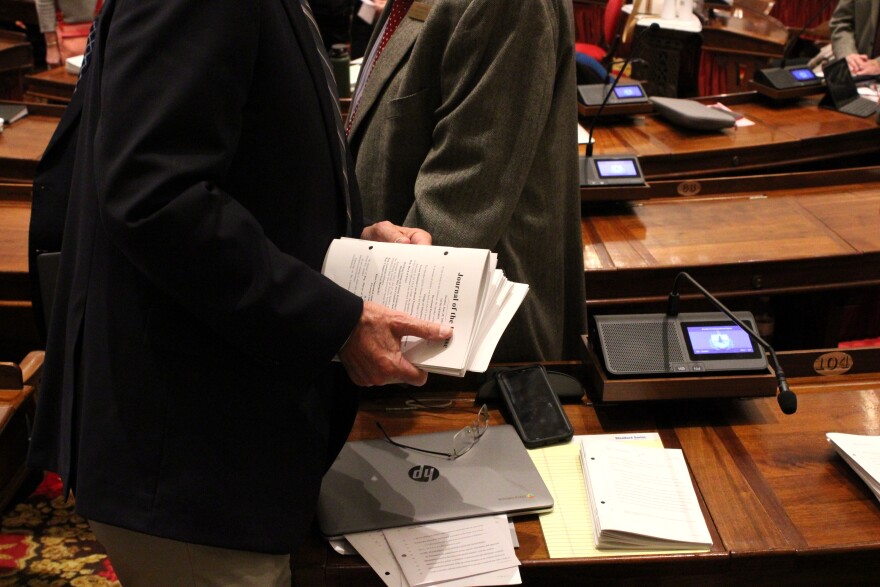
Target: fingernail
(445, 331)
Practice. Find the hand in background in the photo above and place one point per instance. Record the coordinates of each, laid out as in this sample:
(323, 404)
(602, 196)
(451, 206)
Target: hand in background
(871, 67)
(387, 232)
(856, 63)
(372, 355)
(53, 56)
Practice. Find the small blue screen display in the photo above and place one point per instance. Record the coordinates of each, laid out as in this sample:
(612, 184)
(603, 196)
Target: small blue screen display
(803, 75)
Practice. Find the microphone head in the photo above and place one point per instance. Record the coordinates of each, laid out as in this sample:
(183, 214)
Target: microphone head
(787, 402)
(654, 26)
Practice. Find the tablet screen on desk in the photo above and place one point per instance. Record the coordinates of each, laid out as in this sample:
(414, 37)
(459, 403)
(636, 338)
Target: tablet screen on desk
(628, 92)
(803, 74)
(616, 168)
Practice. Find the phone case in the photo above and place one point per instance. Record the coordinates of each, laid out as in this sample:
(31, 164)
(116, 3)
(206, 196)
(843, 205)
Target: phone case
(533, 407)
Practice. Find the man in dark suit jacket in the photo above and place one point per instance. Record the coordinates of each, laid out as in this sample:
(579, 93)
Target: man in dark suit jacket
(188, 394)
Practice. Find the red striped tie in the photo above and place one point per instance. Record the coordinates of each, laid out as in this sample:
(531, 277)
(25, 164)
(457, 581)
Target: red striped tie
(398, 11)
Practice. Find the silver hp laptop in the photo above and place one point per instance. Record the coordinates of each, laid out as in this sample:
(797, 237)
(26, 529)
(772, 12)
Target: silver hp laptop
(843, 95)
(375, 485)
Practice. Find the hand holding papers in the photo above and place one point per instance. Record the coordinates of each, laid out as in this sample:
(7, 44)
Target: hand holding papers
(455, 286)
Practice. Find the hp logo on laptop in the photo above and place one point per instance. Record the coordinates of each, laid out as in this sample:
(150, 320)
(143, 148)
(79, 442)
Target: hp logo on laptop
(424, 473)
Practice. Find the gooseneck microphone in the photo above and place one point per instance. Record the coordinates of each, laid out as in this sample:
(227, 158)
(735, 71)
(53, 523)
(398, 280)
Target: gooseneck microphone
(794, 38)
(612, 170)
(636, 41)
(792, 77)
(786, 398)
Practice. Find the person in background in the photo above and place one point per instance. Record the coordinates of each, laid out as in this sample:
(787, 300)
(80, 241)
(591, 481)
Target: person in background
(189, 396)
(365, 16)
(464, 123)
(334, 21)
(856, 36)
(69, 12)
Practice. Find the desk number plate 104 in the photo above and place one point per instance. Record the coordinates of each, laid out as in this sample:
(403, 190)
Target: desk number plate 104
(833, 363)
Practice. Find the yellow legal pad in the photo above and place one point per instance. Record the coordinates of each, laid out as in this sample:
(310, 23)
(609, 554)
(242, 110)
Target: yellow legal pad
(568, 529)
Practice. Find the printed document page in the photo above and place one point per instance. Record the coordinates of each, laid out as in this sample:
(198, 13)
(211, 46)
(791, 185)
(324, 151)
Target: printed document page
(641, 497)
(503, 306)
(438, 284)
(568, 529)
(451, 285)
(374, 549)
(444, 551)
(862, 453)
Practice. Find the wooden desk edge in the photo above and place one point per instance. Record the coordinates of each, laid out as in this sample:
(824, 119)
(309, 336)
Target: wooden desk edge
(714, 186)
(318, 563)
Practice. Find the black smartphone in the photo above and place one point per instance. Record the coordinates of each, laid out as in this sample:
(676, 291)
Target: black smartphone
(533, 407)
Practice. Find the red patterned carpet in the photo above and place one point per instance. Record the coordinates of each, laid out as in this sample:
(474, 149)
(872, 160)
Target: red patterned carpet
(44, 543)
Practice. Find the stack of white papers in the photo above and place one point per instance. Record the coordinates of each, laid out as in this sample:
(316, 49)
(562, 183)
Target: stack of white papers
(862, 453)
(641, 497)
(459, 553)
(450, 285)
(73, 65)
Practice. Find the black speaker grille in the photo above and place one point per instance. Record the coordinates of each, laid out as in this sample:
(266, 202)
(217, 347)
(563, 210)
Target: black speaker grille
(641, 347)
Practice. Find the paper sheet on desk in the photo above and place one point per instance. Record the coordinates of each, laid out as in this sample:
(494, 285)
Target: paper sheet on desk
(568, 529)
(374, 549)
(741, 121)
(870, 92)
(583, 136)
(435, 553)
(862, 453)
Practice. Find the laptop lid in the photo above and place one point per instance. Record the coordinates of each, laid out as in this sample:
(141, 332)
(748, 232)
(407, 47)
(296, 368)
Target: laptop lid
(841, 87)
(374, 485)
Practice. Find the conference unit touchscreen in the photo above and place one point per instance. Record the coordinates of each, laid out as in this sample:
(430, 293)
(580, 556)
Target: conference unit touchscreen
(616, 168)
(690, 343)
(628, 92)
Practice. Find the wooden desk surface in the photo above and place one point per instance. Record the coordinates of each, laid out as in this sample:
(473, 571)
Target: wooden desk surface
(15, 214)
(782, 507)
(763, 240)
(718, 38)
(18, 333)
(16, 53)
(753, 33)
(54, 85)
(784, 134)
(735, 243)
(773, 483)
(22, 143)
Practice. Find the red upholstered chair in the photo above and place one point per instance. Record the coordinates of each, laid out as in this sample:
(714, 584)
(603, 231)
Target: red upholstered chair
(604, 52)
